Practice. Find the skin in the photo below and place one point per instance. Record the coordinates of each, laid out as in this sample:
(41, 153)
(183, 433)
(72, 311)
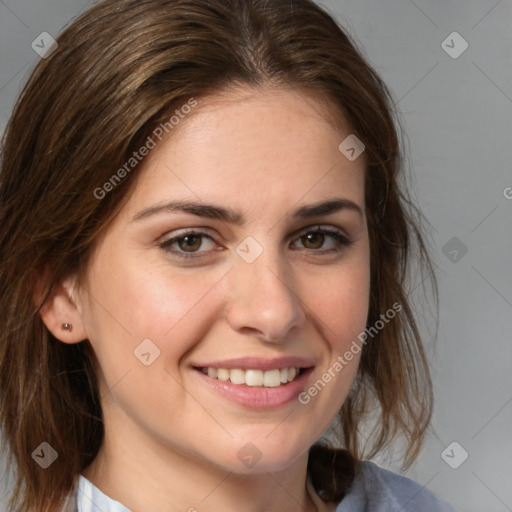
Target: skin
(171, 443)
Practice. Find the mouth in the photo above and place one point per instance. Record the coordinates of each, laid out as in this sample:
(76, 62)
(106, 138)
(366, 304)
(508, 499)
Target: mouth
(255, 383)
(254, 377)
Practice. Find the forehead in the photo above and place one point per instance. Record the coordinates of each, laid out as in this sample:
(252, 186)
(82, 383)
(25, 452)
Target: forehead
(252, 145)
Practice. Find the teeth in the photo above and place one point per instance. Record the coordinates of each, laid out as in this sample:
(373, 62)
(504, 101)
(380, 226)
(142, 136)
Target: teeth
(253, 377)
(250, 377)
(222, 374)
(272, 379)
(237, 376)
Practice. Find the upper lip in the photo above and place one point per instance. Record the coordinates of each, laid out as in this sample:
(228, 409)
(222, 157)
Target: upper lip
(258, 363)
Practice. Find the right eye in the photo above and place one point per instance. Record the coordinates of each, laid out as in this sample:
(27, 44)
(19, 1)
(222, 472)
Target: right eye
(188, 244)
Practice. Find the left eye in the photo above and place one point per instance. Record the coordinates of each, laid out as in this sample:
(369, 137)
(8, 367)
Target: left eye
(313, 236)
(189, 243)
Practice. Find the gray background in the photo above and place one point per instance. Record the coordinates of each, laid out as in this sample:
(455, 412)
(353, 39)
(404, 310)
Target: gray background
(457, 114)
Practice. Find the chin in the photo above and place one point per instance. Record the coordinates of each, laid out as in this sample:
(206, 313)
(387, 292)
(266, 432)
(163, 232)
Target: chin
(265, 456)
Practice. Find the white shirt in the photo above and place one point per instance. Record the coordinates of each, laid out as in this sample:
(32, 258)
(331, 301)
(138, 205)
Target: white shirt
(91, 499)
(374, 490)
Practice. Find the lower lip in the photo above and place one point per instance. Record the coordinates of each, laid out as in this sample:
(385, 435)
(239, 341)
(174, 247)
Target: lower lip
(257, 397)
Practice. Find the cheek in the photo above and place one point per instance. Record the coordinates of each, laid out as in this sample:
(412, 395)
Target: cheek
(139, 301)
(343, 305)
(134, 305)
(340, 312)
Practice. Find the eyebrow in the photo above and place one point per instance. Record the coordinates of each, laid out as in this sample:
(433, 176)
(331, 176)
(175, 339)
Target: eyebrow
(236, 217)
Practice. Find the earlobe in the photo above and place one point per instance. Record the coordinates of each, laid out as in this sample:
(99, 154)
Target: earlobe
(62, 315)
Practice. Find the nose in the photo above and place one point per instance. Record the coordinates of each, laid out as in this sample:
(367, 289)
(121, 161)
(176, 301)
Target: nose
(263, 301)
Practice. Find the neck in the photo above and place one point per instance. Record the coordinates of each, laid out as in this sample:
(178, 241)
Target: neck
(144, 474)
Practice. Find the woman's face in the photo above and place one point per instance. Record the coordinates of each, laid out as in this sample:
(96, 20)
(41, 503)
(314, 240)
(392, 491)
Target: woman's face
(265, 282)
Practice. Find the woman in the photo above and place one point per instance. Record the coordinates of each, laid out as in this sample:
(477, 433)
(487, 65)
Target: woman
(203, 262)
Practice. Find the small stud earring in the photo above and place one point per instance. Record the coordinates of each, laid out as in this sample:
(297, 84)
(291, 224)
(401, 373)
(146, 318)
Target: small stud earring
(67, 327)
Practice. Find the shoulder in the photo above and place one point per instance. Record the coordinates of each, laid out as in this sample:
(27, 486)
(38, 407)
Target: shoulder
(379, 490)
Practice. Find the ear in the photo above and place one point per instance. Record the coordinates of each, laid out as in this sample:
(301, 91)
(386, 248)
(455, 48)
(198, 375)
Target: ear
(61, 308)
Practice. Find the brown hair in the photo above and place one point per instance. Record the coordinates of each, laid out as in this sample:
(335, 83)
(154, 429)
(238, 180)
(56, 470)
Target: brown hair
(118, 71)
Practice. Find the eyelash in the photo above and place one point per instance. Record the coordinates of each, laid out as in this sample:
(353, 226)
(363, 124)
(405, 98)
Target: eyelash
(342, 240)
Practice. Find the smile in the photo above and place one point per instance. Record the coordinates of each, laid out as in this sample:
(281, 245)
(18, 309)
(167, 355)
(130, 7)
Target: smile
(254, 377)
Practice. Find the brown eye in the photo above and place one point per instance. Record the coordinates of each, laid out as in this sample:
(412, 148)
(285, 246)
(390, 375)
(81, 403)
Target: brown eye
(190, 242)
(188, 245)
(315, 239)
